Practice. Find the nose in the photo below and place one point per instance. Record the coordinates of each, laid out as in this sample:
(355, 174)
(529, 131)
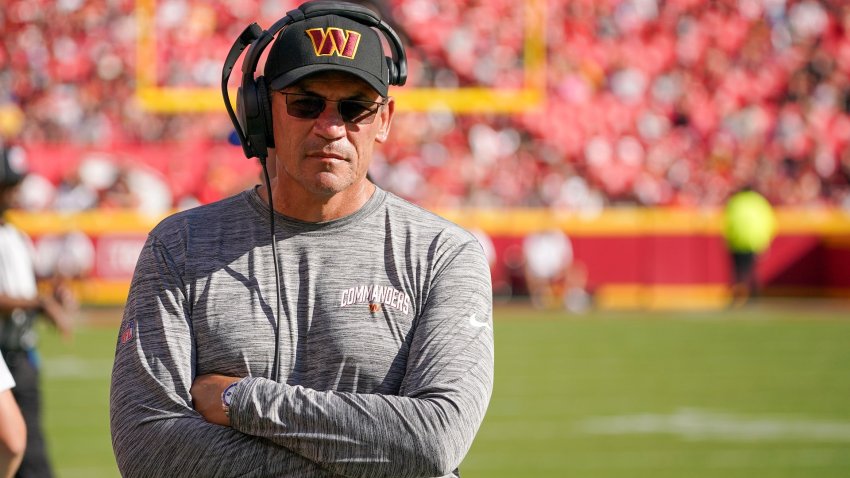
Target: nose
(329, 124)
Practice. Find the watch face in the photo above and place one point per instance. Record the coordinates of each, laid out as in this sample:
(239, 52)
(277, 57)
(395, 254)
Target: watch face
(227, 397)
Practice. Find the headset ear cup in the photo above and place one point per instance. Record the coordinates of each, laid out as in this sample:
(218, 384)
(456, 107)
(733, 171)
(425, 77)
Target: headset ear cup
(393, 71)
(264, 100)
(240, 108)
(251, 116)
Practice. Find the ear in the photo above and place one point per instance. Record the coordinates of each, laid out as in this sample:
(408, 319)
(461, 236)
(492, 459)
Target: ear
(386, 117)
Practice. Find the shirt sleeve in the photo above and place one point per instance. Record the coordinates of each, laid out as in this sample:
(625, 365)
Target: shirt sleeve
(6, 380)
(427, 429)
(155, 430)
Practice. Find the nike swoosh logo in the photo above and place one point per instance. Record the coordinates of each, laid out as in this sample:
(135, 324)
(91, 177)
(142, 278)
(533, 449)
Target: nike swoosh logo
(477, 323)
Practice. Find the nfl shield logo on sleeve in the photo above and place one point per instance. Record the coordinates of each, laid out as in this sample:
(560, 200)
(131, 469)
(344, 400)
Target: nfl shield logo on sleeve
(127, 331)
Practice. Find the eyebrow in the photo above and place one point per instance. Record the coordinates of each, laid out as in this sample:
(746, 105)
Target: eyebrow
(359, 96)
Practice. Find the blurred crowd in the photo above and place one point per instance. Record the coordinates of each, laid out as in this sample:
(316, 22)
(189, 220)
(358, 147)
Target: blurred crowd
(648, 102)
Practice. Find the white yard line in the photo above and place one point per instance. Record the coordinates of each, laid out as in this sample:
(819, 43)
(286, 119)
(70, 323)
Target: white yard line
(695, 424)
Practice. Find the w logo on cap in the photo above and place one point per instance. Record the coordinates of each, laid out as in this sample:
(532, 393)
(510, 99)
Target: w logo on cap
(334, 41)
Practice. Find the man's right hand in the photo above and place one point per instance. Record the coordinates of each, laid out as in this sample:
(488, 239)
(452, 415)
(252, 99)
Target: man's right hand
(58, 315)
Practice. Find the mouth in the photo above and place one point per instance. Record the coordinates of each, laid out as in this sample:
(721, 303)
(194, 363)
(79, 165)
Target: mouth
(325, 156)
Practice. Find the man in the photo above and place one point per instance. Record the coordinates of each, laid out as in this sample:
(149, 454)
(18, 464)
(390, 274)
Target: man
(555, 278)
(13, 431)
(20, 305)
(748, 229)
(385, 350)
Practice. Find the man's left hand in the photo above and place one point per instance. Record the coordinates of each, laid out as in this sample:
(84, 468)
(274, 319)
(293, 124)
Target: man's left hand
(206, 397)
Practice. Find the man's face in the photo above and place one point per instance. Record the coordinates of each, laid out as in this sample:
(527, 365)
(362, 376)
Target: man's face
(326, 155)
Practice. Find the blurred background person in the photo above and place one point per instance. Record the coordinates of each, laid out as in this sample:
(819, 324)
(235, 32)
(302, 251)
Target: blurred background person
(13, 431)
(554, 277)
(748, 229)
(20, 304)
(72, 194)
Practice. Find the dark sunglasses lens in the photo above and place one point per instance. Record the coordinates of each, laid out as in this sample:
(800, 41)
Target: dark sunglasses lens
(353, 111)
(304, 107)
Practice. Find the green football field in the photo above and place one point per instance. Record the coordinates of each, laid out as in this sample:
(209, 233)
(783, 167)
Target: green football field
(761, 392)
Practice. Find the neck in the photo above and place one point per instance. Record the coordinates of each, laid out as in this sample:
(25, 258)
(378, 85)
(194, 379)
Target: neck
(298, 204)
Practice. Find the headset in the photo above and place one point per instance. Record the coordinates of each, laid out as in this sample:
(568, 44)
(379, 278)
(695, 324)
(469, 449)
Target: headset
(253, 116)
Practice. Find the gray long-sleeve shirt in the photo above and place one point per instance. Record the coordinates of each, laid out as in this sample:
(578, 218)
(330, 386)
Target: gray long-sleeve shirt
(386, 344)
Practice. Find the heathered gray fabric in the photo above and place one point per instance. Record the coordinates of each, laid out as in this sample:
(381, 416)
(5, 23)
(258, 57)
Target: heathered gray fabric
(394, 388)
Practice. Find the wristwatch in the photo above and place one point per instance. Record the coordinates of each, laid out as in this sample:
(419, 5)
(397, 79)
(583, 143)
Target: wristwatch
(227, 398)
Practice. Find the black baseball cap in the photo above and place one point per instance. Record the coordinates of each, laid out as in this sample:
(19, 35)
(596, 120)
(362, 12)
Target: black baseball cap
(327, 43)
(13, 165)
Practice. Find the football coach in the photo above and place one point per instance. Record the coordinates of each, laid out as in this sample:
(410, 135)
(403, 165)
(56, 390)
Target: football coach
(314, 325)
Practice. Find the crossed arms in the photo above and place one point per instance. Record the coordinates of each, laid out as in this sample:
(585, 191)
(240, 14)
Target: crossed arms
(286, 429)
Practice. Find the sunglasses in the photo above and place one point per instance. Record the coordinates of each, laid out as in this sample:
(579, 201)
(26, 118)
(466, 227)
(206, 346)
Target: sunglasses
(351, 111)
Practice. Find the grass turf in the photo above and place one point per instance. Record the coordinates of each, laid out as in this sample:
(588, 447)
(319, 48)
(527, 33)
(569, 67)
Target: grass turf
(761, 391)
